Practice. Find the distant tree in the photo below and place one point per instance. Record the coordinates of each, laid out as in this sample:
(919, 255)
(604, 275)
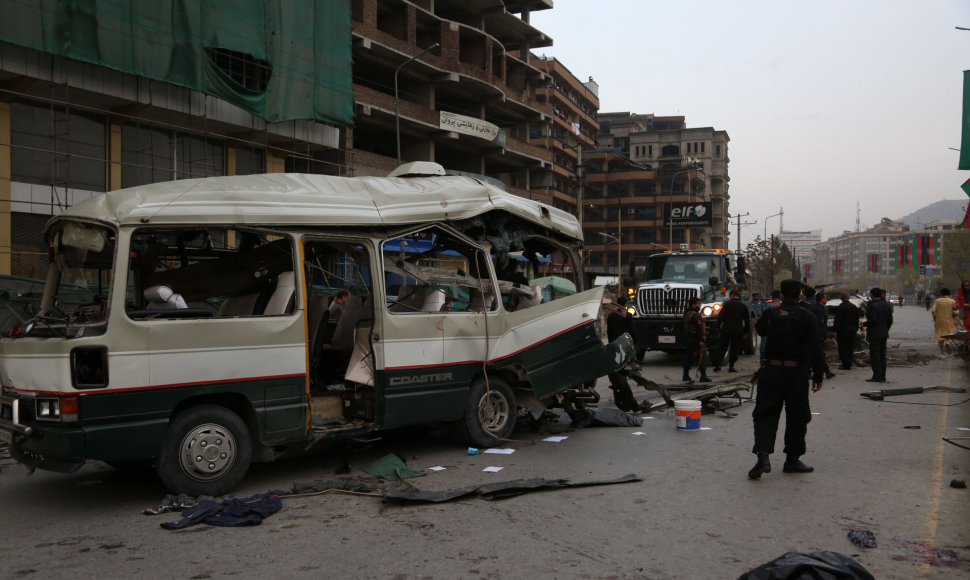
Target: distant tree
(955, 261)
(760, 264)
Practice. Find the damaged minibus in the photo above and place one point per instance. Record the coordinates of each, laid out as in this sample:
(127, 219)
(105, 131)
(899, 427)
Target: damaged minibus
(228, 320)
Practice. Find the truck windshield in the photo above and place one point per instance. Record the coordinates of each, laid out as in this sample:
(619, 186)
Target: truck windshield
(686, 268)
(83, 260)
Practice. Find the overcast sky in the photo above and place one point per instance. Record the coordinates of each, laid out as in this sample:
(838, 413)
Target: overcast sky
(826, 103)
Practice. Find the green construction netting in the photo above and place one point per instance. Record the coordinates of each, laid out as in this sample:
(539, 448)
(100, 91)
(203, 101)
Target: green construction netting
(278, 59)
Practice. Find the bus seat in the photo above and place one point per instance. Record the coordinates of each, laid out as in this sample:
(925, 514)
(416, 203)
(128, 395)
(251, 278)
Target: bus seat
(163, 298)
(434, 300)
(343, 333)
(283, 299)
(244, 305)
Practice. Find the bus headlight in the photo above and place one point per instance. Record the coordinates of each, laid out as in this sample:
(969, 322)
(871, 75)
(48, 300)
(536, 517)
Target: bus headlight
(61, 410)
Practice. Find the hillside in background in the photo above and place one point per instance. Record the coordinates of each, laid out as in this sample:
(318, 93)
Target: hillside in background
(947, 210)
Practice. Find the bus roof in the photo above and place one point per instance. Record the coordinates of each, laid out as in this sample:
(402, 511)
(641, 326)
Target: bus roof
(294, 199)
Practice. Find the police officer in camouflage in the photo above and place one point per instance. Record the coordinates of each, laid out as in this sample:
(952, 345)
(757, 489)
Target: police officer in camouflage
(792, 347)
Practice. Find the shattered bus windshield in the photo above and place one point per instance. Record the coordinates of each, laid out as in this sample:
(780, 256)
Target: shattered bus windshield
(78, 291)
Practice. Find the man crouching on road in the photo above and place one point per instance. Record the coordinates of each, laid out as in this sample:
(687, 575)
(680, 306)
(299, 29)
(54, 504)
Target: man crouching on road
(792, 344)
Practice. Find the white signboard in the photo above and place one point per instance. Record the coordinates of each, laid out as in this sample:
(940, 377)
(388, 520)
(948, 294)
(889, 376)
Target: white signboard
(467, 126)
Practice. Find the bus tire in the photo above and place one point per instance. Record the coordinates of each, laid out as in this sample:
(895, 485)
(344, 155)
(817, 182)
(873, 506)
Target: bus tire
(490, 412)
(206, 451)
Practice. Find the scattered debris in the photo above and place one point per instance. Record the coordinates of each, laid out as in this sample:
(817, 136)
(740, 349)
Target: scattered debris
(879, 395)
(958, 483)
(605, 416)
(797, 565)
(327, 485)
(862, 538)
(392, 468)
(171, 503)
(911, 427)
(491, 491)
(230, 512)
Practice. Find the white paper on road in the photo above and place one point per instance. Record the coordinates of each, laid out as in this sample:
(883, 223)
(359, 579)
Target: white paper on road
(705, 428)
(963, 428)
(639, 433)
(436, 468)
(501, 451)
(556, 438)
(493, 469)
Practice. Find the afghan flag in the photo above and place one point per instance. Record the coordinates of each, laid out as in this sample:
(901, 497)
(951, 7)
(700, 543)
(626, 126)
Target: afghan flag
(873, 262)
(966, 189)
(924, 250)
(836, 266)
(807, 271)
(904, 256)
(965, 140)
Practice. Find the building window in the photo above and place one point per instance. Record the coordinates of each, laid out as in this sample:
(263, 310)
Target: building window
(650, 150)
(56, 146)
(702, 146)
(717, 150)
(250, 160)
(146, 155)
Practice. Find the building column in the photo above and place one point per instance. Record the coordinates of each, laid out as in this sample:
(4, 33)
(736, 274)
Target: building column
(114, 156)
(5, 167)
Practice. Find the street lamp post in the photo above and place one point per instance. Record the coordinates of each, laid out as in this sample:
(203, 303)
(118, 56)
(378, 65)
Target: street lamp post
(619, 245)
(771, 249)
(397, 111)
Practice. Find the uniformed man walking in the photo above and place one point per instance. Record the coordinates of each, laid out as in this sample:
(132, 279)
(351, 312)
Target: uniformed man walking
(792, 348)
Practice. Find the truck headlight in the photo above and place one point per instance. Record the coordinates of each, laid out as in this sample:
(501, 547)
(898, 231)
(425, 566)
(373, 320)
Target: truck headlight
(711, 309)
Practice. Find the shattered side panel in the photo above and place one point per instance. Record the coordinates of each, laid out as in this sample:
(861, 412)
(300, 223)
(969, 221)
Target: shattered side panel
(558, 344)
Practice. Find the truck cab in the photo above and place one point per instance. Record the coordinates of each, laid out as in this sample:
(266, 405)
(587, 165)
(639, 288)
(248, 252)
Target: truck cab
(672, 279)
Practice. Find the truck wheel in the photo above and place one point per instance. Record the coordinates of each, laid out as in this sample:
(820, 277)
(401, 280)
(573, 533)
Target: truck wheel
(206, 451)
(490, 412)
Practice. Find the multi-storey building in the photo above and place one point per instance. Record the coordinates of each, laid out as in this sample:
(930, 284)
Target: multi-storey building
(879, 256)
(645, 166)
(135, 93)
(454, 82)
(573, 105)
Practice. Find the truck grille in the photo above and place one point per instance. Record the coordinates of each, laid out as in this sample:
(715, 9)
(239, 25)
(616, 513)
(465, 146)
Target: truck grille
(663, 302)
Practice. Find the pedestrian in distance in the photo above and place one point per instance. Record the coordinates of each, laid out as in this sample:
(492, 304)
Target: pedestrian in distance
(879, 319)
(928, 301)
(734, 322)
(942, 312)
(815, 303)
(846, 326)
(695, 340)
(793, 348)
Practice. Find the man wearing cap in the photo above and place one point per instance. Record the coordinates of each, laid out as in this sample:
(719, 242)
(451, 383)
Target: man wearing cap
(879, 319)
(792, 347)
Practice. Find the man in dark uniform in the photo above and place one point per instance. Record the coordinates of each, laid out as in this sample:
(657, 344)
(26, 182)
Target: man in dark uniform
(695, 340)
(735, 324)
(846, 327)
(879, 319)
(792, 347)
(618, 322)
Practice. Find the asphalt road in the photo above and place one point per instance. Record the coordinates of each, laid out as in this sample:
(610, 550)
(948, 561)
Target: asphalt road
(880, 466)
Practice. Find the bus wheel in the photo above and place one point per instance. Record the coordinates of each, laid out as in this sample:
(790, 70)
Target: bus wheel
(206, 451)
(490, 412)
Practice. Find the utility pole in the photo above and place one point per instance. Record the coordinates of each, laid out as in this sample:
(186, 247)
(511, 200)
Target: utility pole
(739, 224)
